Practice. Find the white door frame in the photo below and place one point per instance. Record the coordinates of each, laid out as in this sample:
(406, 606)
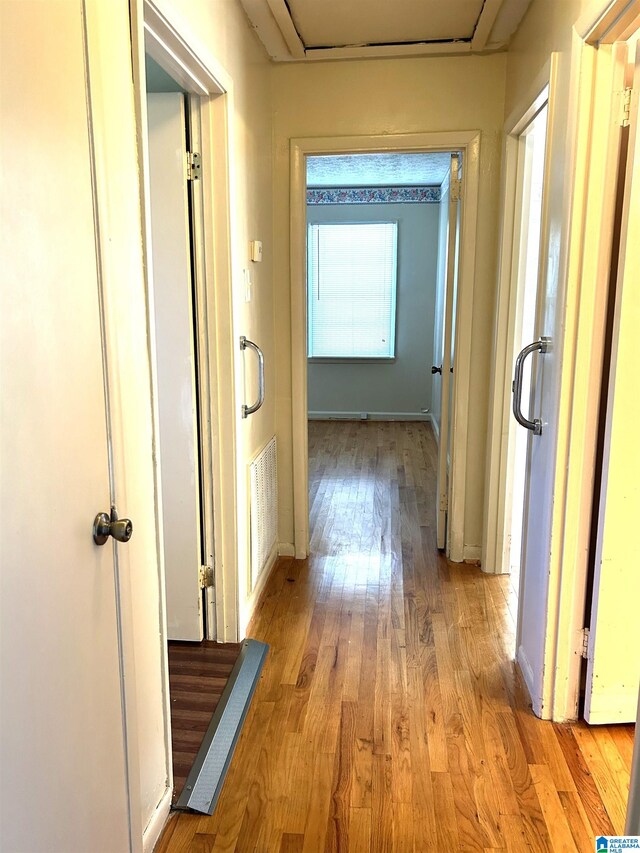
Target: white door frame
(590, 196)
(469, 143)
(211, 108)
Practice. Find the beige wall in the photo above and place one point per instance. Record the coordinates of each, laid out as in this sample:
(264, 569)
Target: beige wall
(392, 96)
(545, 28)
(220, 29)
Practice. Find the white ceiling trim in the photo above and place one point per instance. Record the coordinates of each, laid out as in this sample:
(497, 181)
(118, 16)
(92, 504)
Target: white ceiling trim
(272, 21)
(485, 24)
(266, 27)
(280, 12)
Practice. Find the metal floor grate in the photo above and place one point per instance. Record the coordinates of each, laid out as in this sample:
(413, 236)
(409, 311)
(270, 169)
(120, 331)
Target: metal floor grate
(206, 777)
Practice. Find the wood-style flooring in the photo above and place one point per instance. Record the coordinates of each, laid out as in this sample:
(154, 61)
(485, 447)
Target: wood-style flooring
(198, 673)
(390, 715)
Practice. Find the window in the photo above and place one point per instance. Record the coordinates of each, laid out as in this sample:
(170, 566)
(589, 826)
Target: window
(352, 289)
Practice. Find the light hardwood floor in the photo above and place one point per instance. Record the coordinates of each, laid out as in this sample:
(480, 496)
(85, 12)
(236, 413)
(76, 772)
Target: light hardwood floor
(390, 715)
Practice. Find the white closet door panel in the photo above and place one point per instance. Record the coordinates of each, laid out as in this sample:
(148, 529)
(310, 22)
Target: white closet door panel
(62, 753)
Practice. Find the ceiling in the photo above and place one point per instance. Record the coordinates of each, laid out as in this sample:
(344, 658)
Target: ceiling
(335, 23)
(299, 30)
(377, 170)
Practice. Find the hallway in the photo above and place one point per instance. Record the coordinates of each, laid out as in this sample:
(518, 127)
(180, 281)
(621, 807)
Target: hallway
(390, 716)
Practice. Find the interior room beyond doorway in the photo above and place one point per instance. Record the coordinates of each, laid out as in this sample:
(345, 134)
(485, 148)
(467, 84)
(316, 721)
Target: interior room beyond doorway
(373, 243)
(382, 251)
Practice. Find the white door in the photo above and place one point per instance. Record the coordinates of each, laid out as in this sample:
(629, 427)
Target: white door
(62, 765)
(443, 349)
(543, 407)
(530, 176)
(175, 355)
(613, 667)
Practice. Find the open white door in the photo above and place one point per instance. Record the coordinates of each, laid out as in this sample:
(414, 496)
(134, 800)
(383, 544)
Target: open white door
(175, 354)
(63, 778)
(444, 347)
(540, 412)
(613, 668)
(525, 275)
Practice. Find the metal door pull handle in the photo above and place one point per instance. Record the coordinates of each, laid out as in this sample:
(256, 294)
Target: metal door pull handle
(541, 345)
(249, 410)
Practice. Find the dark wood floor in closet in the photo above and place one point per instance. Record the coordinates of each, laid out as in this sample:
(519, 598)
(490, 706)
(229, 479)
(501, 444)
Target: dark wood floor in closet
(198, 673)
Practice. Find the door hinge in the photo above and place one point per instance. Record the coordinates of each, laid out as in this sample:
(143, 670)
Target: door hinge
(456, 190)
(625, 117)
(444, 503)
(206, 577)
(194, 165)
(585, 643)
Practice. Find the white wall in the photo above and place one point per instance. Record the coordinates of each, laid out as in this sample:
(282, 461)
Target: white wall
(403, 385)
(546, 27)
(392, 96)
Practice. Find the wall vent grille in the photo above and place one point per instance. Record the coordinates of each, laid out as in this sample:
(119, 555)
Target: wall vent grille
(263, 508)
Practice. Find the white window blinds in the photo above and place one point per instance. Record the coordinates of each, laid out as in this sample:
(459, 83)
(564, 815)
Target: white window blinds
(352, 289)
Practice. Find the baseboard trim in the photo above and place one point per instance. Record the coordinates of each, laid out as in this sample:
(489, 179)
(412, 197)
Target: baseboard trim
(157, 823)
(472, 554)
(286, 549)
(263, 577)
(526, 671)
(434, 427)
(371, 416)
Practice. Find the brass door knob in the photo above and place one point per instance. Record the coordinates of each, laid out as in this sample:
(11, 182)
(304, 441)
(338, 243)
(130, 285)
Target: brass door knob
(105, 526)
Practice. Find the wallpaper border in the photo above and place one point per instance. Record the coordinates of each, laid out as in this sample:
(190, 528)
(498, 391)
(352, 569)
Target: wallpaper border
(374, 195)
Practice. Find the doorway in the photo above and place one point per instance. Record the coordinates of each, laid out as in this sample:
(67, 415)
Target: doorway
(382, 260)
(175, 196)
(441, 143)
(200, 669)
(552, 643)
